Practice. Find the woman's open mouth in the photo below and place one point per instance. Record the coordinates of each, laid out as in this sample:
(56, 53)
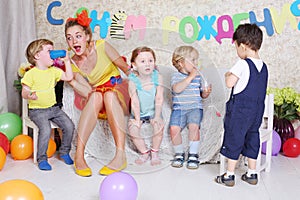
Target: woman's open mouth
(77, 48)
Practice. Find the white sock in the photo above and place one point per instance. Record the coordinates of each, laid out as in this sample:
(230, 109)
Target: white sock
(229, 173)
(251, 171)
(178, 148)
(194, 147)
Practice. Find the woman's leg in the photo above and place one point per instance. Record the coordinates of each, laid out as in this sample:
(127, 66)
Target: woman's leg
(116, 120)
(87, 123)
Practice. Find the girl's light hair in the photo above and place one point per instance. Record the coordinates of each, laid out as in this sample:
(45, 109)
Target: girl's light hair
(179, 55)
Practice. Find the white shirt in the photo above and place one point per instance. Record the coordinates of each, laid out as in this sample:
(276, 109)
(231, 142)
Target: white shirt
(242, 71)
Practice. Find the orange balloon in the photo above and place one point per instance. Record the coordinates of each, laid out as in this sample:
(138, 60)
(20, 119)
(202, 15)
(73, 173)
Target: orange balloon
(21, 147)
(2, 158)
(51, 148)
(20, 189)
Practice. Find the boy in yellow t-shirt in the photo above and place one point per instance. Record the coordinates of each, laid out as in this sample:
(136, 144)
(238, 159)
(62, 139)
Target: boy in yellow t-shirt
(38, 86)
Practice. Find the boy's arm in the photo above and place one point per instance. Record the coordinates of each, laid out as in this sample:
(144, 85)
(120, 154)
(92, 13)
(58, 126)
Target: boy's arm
(27, 94)
(230, 79)
(68, 74)
(180, 86)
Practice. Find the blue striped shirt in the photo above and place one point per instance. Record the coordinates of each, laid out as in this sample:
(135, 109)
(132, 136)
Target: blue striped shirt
(190, 97)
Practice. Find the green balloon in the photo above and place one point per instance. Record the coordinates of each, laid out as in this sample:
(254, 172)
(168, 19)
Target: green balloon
(10, 125)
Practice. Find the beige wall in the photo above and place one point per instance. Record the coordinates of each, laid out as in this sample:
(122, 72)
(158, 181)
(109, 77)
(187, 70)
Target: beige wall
(280, 51)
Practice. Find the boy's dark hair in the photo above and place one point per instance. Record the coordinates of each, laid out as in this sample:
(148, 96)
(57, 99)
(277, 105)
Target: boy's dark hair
(248, 34)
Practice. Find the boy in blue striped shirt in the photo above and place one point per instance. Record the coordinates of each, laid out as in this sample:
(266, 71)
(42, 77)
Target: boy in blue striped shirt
(187, 107)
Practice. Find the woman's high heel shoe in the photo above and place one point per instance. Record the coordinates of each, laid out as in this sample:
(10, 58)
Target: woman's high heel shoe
(105, 171)
(83, 172)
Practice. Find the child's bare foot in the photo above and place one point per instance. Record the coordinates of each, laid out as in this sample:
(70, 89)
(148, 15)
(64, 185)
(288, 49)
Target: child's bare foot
(144, 157)
(155, 160)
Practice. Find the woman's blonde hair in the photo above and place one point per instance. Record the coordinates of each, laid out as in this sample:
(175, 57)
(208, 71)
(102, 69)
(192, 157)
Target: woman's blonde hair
(34, 47)
(86, 29)
(179, 55)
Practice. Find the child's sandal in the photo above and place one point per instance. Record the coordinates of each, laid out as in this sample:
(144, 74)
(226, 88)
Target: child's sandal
(193, 162)
(225, 181)
(155, 160)
(144, 157)
(178, 160)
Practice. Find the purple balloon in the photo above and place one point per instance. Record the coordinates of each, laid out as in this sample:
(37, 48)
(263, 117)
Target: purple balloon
(276, 144)
(118, 186)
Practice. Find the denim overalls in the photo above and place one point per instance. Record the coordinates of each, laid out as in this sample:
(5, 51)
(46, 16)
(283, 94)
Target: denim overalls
(243, 117)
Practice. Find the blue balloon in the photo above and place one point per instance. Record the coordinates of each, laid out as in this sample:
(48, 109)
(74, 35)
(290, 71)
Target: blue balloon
(118, 186)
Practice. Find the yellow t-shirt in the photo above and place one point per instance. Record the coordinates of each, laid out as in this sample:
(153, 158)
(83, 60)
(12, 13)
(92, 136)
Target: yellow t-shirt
(42, 82)
(103, 70)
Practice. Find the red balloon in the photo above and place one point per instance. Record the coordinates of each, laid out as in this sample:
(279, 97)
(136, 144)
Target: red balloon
(291, 147)
(4, 142)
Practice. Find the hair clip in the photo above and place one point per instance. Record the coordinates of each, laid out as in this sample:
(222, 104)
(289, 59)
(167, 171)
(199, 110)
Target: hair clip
(82, 19)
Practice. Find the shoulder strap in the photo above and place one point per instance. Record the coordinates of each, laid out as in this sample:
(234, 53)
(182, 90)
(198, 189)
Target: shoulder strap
(155, 78)
(136, 81)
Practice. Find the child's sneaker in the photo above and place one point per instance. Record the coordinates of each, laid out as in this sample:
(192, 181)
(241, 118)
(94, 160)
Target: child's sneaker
(67, 159)
(44, 165)
(251, 180)
(225, 181)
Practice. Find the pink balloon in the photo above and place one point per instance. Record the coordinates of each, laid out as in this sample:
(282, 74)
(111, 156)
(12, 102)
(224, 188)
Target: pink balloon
(297, 133)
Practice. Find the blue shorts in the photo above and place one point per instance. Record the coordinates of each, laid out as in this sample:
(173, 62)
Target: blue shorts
(182, 118)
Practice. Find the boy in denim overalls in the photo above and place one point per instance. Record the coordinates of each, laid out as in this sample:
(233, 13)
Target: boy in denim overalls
(244, 109)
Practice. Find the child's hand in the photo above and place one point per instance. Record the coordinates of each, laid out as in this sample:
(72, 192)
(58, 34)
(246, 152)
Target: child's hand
(206, 91)
(32, 96)
(66, 58)
(136, 123)
(208, 88)
(194, 73)
(157, 121)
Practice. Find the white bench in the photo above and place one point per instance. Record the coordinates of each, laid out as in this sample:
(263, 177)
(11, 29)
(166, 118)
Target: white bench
(101, 145)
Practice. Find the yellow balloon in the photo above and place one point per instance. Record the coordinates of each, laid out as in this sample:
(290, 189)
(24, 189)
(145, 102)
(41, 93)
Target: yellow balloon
(2, 158)
(21, 147)
(18, 189)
